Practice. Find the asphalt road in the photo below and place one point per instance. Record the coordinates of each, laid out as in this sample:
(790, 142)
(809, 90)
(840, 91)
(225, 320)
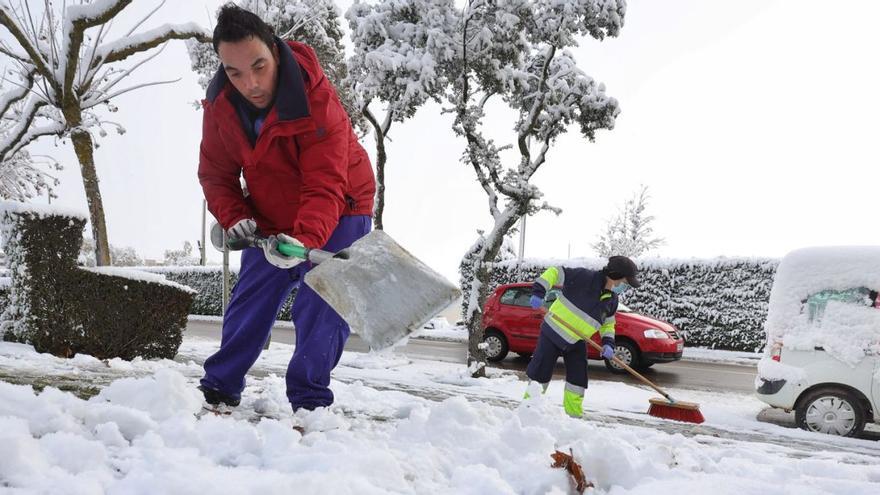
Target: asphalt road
(681, 374)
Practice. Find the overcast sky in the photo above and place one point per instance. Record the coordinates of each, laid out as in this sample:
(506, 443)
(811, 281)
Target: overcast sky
(753, 123)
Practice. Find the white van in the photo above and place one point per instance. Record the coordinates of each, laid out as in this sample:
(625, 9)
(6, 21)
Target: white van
(823, 329)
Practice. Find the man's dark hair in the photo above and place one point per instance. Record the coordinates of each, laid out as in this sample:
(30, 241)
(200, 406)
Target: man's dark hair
(236, 24)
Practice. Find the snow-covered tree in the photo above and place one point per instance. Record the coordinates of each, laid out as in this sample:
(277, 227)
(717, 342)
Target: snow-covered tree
(629, 233)
(21, 176)
(69, 71)
(403, 53)
(516, 51)
(313, 22)
(181, 257)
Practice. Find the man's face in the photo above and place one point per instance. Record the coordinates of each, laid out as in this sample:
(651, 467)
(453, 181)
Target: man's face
(252, 67)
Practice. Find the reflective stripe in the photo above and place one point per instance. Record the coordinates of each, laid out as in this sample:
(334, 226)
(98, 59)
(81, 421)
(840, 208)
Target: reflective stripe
(573, 403)
(578, 312)
(604, 296)
(607, 328)
(550, 277)
(560, 275)
(566, 334)
(574, 324)
(574, 388)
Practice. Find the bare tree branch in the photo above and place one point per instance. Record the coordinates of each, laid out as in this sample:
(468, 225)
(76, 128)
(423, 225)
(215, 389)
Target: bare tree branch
(36, 58)
(133, 28)
(10, 97)
(21, 128)
(74, 36)
(18, 57)
(55, 128)
(123, 74)
(102, 99)
(148, 40)
(386, 125)
(534, 112)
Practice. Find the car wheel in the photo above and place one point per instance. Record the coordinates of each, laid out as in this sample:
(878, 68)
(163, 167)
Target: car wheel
(831, 410)
(496, 345)
(626, 352)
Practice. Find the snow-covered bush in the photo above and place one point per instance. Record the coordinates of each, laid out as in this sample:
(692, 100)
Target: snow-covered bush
(63, 309)
(208, 281)
(719, 303)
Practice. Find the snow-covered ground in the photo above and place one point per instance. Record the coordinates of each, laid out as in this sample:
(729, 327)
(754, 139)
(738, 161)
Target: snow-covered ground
(398, 426)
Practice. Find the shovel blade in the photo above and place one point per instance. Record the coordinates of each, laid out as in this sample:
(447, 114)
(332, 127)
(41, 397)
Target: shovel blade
(382, 291)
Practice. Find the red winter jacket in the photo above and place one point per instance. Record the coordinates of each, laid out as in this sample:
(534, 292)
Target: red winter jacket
(307, 168)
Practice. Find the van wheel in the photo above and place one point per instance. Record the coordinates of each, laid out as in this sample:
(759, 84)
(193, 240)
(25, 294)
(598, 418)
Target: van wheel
(626, 352)
(831, 410)
(496, 345)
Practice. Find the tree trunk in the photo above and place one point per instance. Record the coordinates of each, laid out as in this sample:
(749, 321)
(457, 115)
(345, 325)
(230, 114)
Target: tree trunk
(480, 288)
(380, 180)
(82, 144)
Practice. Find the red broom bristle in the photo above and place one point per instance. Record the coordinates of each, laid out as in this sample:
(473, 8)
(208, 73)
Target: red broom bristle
(669, 411)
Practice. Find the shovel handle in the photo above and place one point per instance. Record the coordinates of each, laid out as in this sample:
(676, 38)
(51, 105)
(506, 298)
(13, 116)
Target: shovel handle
(615, 359)
(293, 250)
(314, 255)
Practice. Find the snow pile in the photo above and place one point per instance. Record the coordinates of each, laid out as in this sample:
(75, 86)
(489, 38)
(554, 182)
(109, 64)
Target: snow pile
(821, 298)
(424, 427)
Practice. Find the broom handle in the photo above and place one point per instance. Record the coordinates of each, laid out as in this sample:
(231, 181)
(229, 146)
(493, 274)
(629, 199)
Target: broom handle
(616, 360)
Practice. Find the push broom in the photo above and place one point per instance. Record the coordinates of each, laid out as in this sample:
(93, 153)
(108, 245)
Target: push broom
(668, 408)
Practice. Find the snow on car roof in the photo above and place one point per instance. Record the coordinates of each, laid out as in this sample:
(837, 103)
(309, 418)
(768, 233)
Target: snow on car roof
(844, 330)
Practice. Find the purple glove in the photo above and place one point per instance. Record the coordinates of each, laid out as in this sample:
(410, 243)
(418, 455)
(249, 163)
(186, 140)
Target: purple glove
(535, 302)
(607, 351)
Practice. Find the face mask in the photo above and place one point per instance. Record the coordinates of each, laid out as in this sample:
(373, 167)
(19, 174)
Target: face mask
(620, 289)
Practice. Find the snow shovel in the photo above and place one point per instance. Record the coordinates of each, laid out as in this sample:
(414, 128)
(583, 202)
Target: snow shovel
(667, 409)
(382, 291)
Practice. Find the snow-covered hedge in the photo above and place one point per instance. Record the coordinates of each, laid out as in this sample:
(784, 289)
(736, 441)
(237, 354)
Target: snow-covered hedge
(63, 309)
(719, 303)
(208, 281)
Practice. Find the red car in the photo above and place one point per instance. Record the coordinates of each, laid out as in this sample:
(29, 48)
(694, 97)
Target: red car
(510, 324)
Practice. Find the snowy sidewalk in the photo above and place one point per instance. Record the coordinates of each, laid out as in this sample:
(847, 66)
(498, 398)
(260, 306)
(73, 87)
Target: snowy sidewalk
(398, 426)
(447, 333)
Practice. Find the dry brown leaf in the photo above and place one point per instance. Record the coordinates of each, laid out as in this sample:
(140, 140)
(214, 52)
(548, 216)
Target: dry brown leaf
(567, 462)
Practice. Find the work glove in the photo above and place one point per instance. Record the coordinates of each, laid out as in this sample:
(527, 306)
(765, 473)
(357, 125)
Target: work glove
(243, 229)
(607, 351)
(535, 302)
(275, 257)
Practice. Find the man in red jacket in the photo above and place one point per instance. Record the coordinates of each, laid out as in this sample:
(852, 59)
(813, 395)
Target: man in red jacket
(272, 116)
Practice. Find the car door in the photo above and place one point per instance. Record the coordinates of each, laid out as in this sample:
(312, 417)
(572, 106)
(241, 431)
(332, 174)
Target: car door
(520, 319)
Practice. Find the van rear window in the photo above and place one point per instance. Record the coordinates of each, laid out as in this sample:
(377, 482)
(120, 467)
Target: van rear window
(815, 304)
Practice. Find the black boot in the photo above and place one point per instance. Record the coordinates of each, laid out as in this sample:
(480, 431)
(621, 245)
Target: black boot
(215, 397)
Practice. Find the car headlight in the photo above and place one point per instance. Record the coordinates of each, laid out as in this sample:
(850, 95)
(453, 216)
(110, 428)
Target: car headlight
(653, 333)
